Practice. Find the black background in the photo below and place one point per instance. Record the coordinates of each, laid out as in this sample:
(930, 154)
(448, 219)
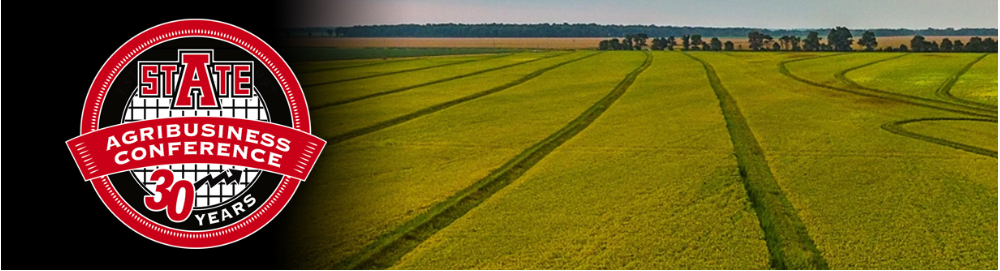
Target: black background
(53, 219)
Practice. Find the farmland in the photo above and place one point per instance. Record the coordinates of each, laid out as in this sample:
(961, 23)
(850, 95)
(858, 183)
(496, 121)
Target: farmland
(620, 195)
(345, 45)
(911, 74)
(323, 54)
(650, 160)
(975, 86)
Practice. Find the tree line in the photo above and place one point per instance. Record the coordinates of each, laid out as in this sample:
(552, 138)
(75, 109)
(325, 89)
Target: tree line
(452, 30)
(839, 39)
(975, 44)
(688, 42)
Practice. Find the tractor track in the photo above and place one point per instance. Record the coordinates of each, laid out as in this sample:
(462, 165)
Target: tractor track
(360, 65)
(435, 108)
(788, 240)
(896, 128)
(390, 247)
(945, 90)
(402, 89)
(403, 71)
(933, 104)
(842, 75)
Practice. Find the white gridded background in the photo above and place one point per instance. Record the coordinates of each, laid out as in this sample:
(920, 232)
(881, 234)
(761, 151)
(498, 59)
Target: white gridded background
(143, 108)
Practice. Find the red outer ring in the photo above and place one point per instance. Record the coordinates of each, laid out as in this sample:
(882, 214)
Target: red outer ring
(206, 29)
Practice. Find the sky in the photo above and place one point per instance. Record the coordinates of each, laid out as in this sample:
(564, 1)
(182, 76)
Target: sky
(771, 14)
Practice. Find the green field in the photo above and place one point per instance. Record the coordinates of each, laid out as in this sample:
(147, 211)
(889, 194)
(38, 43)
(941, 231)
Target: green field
(301, 55)
(661, 160)
(870, 199)
(913, 74)
(624, 193)
(975, 85)
(319, 80)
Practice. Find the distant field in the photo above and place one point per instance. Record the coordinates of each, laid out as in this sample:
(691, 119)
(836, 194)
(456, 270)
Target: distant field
(650, 160)
(529, 43)
(523, 43)
(312, 54)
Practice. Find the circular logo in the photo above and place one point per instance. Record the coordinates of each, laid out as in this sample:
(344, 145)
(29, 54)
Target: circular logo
(195, 134)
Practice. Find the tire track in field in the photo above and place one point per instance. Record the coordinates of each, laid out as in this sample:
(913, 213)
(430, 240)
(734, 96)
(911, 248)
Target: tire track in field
(945, 90)
(896, 128)
(389, 248)
(398, 90)
(361, 65)
(939, 105)
(435, 108)
(403, 71)
(842, 76)
(788, 240)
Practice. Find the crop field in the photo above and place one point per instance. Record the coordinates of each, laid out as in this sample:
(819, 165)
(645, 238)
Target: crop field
(297, 53)
(510, 43)
(650, 160)
(624, 193)
(870, 199)
(912, 74)
(349, 48)
(975, 86)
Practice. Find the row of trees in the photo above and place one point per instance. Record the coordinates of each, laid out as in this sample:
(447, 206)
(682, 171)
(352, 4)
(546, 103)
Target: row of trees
(452, 30)
(975, 44)
(839, 39)
(688, 42)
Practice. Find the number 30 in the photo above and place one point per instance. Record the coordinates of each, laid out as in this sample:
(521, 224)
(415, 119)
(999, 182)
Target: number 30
(176, 197)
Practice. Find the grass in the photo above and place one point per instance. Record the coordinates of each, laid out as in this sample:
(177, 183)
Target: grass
(870, 199)
(622, 194)
(372, 184)
(979, 84)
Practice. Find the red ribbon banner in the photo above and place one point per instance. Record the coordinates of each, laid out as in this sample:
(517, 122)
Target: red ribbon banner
(229, 141)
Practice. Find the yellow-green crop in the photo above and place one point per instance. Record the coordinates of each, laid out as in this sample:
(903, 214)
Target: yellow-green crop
(979, 84)
(651, 184)
(870, 199)
(371, 184)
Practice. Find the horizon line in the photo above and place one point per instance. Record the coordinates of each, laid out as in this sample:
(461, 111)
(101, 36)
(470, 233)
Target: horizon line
(655, 25)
